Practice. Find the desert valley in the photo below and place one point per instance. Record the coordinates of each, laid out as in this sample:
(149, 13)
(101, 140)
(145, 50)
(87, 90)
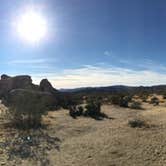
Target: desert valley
(125, 132)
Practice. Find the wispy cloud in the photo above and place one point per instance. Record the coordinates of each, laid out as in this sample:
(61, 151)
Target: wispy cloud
(31, 61)
(28, 61)
(103, 76)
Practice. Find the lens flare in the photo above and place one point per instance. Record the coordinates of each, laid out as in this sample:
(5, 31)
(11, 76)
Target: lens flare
(31, 26)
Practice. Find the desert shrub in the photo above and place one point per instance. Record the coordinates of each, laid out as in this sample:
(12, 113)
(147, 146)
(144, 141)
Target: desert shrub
(154, 101)
(67, 101)
(75, 111)
(93, 109)
(122, 101)
(144, 98)
(115, 99)
(136, 105)
(80, 110)
(137, 123)
(164, 96)
(27, 107)
(72, 111)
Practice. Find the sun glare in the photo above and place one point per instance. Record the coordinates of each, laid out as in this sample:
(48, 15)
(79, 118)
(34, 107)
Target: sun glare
(31, 26)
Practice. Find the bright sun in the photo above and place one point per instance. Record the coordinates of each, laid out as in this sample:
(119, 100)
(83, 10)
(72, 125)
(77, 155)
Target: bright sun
(31, 26)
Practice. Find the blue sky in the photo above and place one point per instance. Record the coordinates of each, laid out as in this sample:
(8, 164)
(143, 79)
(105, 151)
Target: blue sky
(89, 43)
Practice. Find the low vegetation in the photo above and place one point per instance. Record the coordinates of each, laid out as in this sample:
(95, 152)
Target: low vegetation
(91, 109)
(144, 98)
(122, 101)
(136, 105)
(137, 123)
(75, 111)
(29, 105)
(155, 101)
(26, 109)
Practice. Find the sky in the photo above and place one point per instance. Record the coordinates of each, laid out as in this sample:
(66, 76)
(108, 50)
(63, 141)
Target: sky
(88, 43)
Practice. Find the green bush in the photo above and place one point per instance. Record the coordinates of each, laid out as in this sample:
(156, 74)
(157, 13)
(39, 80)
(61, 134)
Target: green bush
(93, 109)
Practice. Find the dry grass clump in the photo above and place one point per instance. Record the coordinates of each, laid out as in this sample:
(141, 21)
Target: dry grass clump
(140, 122)
(137, 123)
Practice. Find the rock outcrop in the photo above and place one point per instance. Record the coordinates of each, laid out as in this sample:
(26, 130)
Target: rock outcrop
(46, 99)
(10, 86)
(5, 77)
(19, 82)
(45, 86)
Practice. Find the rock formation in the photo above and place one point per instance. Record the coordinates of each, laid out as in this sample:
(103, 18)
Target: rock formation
(19, 82)
(23, 84)
(45, 86)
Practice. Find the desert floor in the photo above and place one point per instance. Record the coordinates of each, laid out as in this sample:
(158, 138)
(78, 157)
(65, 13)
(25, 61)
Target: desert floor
(108, 142)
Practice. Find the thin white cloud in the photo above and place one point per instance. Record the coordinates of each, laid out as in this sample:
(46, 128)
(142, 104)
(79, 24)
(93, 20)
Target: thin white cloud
(27, 61)
(31, 61)
(103, 76)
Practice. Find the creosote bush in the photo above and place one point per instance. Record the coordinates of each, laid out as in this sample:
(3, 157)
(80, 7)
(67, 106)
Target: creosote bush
(136, 105)
(154, 101)
(75, 111)
(164, 96)
(144, 98)
(92, 109)
(27, 107)
(122, 101)
(115, 99)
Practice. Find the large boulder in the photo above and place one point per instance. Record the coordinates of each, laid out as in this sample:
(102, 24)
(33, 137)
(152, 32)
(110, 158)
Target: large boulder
(5, 77)
(45, 86)
(13, 87)
(44, 98)
(19, 82)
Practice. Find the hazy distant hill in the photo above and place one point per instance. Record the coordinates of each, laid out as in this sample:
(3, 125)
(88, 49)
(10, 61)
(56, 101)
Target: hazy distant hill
(118, 89)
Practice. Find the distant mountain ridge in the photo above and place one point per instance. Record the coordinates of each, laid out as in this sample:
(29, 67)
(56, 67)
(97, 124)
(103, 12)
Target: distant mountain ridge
(118, 89)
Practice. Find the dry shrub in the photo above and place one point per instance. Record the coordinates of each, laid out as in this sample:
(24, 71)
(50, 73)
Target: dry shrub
(76, 111)
(122, 101)
(27, 107)
(136, 105)
(92, 109)
(154, 101)
(137, 123)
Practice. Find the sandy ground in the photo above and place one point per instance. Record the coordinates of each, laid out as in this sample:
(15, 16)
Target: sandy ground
(109, 142)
